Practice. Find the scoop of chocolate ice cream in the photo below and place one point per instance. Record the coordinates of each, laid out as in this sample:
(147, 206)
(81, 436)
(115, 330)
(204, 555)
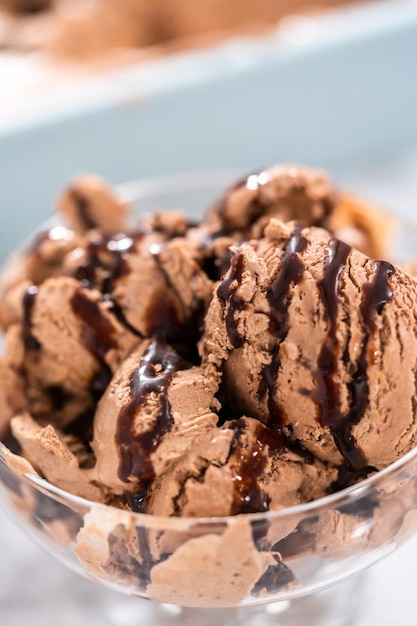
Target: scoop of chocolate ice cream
(289, 192)
(163, 290)
(311, 337)
(153, 408)
(284, 192)
(243, 467)
(303, 336)
(70, 342)
(90, 203)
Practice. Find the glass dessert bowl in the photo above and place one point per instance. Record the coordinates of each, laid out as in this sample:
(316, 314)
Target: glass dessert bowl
(292, 566)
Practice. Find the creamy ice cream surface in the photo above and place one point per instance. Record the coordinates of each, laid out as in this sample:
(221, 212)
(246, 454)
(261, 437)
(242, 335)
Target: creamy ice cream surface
(247, 363)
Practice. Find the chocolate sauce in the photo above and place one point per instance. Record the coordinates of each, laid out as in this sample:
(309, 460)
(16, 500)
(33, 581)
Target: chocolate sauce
(32, 7)
(302, 539)
(164, 319)
(82, 205)
(291, 272)
(106, 260)
(135, 570)
(161, 317)
(29, 300)
(348, 476)
(98, 333)
(275, 577)
(375, 295)
(58, 395)
(99, 336)
(152, 376)
(138, 501)
(227, 292)
(251, 463)
(327, 393)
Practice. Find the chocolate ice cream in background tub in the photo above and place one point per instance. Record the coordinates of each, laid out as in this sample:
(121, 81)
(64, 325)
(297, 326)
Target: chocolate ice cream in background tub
(217, 415)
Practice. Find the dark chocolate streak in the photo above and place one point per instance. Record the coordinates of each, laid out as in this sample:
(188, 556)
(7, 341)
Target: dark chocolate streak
(251, 462)
(291, 272)
(107, 255)
(98, 333)
(327, 392)
(164, 319)
(82, 205)
(99, 336)
(375, 295)
(29, 300)
(152, 376)
(275, 577)
(227, 292)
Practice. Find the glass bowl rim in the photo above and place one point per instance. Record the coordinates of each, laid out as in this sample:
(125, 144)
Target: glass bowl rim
(331, 501)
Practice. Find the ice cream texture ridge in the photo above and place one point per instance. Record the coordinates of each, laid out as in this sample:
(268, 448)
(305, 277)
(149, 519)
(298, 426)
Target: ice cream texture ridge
(257, 359)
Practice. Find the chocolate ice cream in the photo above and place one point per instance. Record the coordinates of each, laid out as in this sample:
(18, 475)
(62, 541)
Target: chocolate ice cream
(307, 333)
(249, 363)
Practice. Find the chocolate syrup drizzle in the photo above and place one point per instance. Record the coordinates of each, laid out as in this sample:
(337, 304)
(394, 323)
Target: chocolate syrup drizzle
(163, 319)
(227, 292)
(82, 205)
(98, 333)
(275, 577)
(291, 272)
(327, 395)
(251, 464)
(152, 376)
(99, 336)
(107, 254)
(376, 294)
(327, 392)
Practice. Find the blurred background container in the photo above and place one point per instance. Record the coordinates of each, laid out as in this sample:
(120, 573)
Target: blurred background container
(337, 90)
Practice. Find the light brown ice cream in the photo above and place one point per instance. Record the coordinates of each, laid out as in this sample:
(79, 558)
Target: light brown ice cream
(241, 468)
(153, 409)
(90, 203)
(247, 364)
(312, 337)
